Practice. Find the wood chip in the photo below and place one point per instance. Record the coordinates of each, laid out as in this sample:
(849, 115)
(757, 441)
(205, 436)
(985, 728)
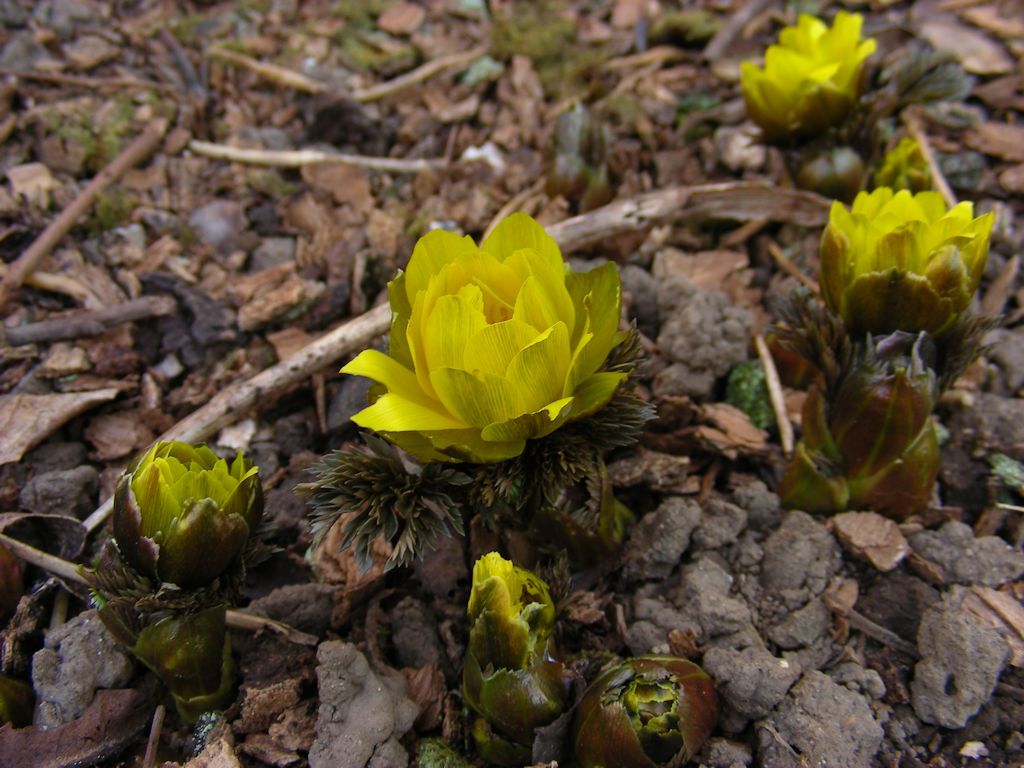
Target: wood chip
(114, 435)
(271, 294)
(731, 431)
(27, 420)
(997, 139)
(978, 53)
(1012, 179)
(870, 536)
(33, 182)
(402, 19)
(988, 17)
(1002, 612)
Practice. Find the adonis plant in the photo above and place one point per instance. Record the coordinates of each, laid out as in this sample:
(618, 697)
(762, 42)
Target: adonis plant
(898, 272)
(819, 99)
(183, 524)
(505, 383)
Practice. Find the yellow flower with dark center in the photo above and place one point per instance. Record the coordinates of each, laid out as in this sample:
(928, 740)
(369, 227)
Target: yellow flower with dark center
(490, 346)
(811, 79)
(902, 262)
(182, 515)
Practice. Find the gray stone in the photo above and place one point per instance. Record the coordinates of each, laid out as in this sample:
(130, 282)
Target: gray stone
(989, 561)
(66, 17)
(659, 540)
(350, 398)
(803, 627)
(897, 601)
(642, 288)
(77, 658)
(414, 634)
(1007, 352)
(723, 753)
(703, 596)
(961, 661)
(304, 606)
(752, 681)
(857, 678)
(22, 52)
(654, 618)
(362, 715)
(821, 724)
(763, 508)
(721, 523)
(701, 333)
(219, 223)
(799, 559)
(272, 252)
(56, 455)
(69, 492)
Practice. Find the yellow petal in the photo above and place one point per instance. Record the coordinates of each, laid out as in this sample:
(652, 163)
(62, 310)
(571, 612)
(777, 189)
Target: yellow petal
(539, 370)
(387, 371)
(431, 253)
(532, 425)
(394, 413)
(401, 312)
(595, 392)
(478, 400)
(449, 327)
(517, 232)
(491, 349)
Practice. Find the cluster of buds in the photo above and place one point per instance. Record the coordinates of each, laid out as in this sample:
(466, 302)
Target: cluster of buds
(183, 525)
(644, 712)
(511, 679)
(579, 170)
(898, 272)
(507, 368)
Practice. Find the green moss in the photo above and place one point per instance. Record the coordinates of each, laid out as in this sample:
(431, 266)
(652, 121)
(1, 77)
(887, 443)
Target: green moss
(112, 209)
(538, 30)
(747, 390)
(438, 753)
(99, 133)
(362, 13)
(185, 28)
(270, 182)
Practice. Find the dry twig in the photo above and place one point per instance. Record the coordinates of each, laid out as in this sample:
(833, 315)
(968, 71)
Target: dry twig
(771, 376)
(791, 269)
(141, 147)
(88, 323)
(912, 120)
(149, 760)
(296, 158)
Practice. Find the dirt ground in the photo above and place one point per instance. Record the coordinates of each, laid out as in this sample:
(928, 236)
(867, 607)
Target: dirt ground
(227, 247)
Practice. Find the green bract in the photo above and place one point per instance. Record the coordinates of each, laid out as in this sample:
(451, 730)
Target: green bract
(874, 446)
(646, 712)
(490, 346)
(183, 516)
(510, 679)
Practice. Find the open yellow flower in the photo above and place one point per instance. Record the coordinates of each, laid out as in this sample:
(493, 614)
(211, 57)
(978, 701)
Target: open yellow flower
(490, 346)
(811, 79)
(902, 262)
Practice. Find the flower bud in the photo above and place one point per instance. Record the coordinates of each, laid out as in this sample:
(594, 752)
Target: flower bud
(810, 80)
(510, 679)
(579, 171)
(902, 262)
(904, 167)
(836, 173)
(646, 712)
(183, 516)
(873, 447)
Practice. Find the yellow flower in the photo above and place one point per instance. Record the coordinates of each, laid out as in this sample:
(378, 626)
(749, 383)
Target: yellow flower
(902, 262)
(811, 78)
(490, 346)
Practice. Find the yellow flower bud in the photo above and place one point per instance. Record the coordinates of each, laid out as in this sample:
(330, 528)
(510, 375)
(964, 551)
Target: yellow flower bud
(490, 346)
(902, 262)
(905, 167)
(811, 79)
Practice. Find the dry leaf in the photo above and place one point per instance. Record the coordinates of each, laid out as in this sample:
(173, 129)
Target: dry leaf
(1002, 612)
(114, 435)
(841, 595)
(1012, 179)
(997, 139)
(402, 19)
(988, 17)
(27, 420)
(288, 341)
(33, 182)
(872, 537)
(731, 431)
(427, 690)
(334, 565)
(978, 53)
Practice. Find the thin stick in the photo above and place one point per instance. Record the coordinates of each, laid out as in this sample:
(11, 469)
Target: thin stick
(300, 82)
(514, 204)
(280, 75)
(418, 75)
(154, 737)
(791, 269)
(89, 323)
(723, 37)
(140, 148)
(243, 396)
(98, 83)
(70, 572)
(916, 130)
(771, 376)
(296, 158)
(880, 633)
